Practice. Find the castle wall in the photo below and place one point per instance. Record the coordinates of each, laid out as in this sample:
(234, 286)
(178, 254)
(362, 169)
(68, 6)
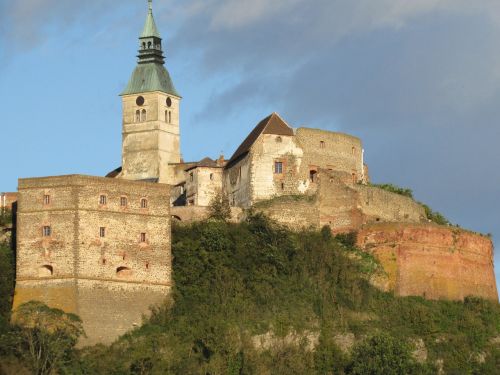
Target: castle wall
(191, 214)
(267, 150)
(381, 205)
(237, 185)
(435, 262)
(203, 187)
(330, 151)
(50, 267)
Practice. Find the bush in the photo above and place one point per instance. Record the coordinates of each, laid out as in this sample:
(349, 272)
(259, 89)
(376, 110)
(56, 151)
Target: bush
(219, 208)
(395, 189)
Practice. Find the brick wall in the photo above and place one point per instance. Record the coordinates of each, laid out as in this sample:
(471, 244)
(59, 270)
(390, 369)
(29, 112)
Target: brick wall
(7, 200)
(435, 262)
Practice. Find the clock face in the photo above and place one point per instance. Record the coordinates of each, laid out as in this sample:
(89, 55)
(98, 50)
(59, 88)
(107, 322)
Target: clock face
(139, 101)
(169, 102)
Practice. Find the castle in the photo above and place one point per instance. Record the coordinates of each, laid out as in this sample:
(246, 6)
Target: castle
(100, 246)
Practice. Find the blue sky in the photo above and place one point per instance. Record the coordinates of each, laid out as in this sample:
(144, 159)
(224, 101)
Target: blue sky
(417, 80)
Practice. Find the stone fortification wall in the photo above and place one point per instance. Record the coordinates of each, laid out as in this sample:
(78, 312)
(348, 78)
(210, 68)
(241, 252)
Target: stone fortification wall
(330, 151)
(381, 205)
(342, 205)
(121, 240)
(432, 261)
(190, 214)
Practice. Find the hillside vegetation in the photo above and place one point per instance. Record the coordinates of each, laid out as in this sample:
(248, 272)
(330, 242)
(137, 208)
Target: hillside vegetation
(254, 298)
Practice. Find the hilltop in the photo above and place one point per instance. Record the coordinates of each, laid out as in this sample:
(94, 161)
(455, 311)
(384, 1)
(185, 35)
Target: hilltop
(256, 298)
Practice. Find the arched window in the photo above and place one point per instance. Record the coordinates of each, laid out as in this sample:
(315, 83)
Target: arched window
(169, 117)
(166, 116)
(46, 271)
(143, 115)
(143, 45)
(149, 45)
(137, 116)
(354, 178)
(144, 203)
(353, 150)
(279, 139)
(322, 144)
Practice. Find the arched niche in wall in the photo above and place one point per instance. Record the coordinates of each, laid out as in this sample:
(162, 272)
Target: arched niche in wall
(45, 271)
(123, 272)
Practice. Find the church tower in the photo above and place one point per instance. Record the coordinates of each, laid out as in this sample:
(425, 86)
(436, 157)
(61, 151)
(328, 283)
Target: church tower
(150, 113)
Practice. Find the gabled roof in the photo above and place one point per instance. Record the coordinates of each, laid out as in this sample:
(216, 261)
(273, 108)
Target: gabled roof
(272, 124)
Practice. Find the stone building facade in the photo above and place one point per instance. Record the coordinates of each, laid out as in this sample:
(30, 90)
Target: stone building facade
(94, 246)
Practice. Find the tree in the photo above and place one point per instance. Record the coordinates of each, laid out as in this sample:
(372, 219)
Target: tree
(219, 208)
(43, 337)
(382, 354)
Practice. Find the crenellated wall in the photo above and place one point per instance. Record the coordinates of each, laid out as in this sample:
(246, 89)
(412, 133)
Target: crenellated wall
(435, 262)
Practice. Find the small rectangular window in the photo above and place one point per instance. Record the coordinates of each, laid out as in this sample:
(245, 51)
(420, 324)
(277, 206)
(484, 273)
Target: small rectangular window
(322, 144)
(191, 177)
(123, 201)
(102, 200)
(278, 167)
(46, 231)
(144, 203)
(46, 199)
(143, 237)
(102, 232)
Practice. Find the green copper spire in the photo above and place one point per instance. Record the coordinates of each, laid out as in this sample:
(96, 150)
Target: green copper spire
(150, 25)
(150, 73)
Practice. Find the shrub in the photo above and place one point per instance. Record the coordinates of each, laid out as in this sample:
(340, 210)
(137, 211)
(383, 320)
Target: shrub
(395, 189)
(219, 208)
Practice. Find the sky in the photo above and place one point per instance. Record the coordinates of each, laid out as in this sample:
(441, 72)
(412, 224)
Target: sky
(417, 80)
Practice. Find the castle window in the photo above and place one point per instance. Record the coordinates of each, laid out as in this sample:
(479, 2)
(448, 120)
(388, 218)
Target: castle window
(313, 175)
(147, 265)
(143, 115)
(322, 144)
(123, 201)
(149, 45)
(191, 177)
(143, 237)
(353, 150)
(282, 186)
(278, 167)
(102, 232)
(140, 101)
(103, 200)
(166, 116)
(143, 45)
(103, 261)
(46, 231)
(211, 176)
(354, 178)
(279, 140)
(169, 117)
(137, 116)
(46, 199)
(169, 102)
(144, 203)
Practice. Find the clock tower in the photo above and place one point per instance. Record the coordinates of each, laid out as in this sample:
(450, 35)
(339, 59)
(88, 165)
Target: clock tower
(151, 136)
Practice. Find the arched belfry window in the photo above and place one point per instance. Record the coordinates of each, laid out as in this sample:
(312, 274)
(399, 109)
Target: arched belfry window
(166, 116)
(169, 117)
(149, 45)
(137, 116)
(143, 115)
(143, 45)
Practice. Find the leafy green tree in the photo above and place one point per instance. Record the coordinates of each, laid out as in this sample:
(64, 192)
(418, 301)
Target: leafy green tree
(382, 354)
(219, 208)
(43, 337)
